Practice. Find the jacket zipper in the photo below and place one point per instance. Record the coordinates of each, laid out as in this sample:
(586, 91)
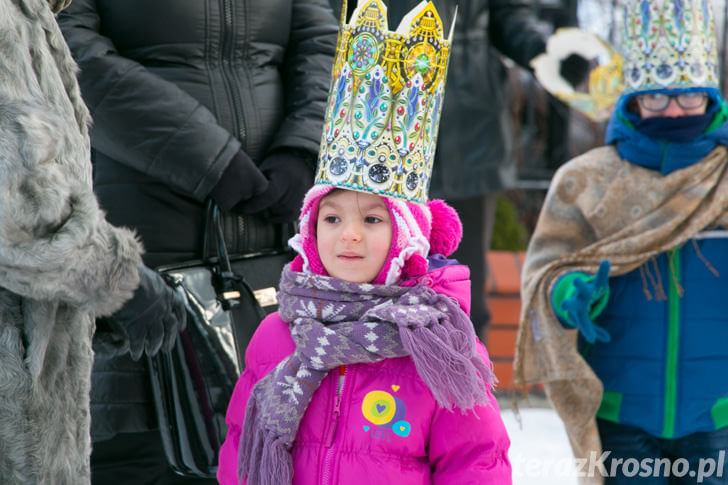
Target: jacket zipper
(228, 47)
(673, 340)
(242, 238)
(334, 426)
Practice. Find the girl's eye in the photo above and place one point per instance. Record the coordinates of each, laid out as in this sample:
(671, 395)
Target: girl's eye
(331, 219)
(372, 219)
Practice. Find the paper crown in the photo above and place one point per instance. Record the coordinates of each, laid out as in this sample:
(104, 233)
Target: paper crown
(669, 44)
(383, 112)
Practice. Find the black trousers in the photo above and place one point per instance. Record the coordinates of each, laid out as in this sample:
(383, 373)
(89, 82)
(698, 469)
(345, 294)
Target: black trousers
(135, 459)
(638, 458)
(478, 216)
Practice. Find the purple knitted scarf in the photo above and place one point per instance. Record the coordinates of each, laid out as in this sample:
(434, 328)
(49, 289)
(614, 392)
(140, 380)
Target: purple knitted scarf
(334, 323)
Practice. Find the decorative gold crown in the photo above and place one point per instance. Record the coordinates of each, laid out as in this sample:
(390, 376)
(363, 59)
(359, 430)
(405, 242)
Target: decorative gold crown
(669, 44)
(383, 111)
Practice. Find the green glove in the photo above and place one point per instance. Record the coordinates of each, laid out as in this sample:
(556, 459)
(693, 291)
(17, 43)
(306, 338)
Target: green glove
(578, 298)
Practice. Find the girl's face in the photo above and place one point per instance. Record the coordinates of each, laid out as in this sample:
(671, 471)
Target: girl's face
(353, 235)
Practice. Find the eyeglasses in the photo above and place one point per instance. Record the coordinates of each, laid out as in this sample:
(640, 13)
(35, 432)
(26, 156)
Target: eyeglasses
(660, 101)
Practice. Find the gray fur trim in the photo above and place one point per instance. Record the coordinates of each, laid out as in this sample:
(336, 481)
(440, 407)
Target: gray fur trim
(61, 263)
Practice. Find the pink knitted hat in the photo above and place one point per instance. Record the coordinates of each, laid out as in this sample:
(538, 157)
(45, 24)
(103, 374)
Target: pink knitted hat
(417, 232)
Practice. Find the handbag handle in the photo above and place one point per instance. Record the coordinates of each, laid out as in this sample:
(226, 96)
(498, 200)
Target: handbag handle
(209, 206)
(213, 217)
(227, 284)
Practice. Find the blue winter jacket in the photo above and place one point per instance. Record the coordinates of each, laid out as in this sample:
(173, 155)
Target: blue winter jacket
(664, 369)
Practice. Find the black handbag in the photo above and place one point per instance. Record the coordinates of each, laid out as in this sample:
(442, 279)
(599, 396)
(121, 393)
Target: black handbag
(227, 297)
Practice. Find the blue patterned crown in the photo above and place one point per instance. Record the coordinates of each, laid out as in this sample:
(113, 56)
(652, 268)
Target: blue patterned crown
(383, 111)
(669, 44)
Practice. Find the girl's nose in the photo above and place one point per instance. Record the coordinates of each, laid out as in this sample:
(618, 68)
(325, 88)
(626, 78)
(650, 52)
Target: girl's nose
(351, 232)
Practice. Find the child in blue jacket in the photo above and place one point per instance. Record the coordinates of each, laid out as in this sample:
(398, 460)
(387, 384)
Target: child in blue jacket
(630, 250)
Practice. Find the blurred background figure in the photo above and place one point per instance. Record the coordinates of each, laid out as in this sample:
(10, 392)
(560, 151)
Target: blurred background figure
(475, 158)
(193, 100)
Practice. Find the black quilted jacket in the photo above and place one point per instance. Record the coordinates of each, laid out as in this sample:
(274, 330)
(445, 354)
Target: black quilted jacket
(175, 89)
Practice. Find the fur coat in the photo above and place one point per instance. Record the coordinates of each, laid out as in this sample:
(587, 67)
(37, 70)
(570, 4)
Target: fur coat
(602, 207)
(61, 263)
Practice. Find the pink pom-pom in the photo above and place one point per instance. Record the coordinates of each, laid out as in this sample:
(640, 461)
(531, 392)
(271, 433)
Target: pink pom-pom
(297, 264)
(447, 230)
(415, 266)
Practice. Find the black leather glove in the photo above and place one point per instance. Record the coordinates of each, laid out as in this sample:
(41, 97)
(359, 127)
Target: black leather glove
(575, 69)
(240, 181)
(147, 323)
(290, 175)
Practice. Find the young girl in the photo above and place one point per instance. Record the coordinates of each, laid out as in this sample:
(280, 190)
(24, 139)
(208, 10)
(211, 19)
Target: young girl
(371, 371)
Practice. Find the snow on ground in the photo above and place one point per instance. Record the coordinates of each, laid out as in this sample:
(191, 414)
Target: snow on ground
(540, 452)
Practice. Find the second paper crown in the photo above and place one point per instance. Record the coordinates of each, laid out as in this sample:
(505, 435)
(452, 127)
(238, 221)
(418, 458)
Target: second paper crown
(669, 44)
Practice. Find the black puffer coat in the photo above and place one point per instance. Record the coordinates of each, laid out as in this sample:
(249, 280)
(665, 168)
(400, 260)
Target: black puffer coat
(176, 88)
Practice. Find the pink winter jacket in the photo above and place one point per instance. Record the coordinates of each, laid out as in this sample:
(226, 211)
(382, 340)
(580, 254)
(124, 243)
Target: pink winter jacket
(339, 441)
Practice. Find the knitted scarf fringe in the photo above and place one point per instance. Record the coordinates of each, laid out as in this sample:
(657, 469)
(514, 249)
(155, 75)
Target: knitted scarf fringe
(447, 360)
(265, 459)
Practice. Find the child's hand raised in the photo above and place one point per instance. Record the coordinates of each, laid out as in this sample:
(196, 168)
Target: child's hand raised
(578, 298)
